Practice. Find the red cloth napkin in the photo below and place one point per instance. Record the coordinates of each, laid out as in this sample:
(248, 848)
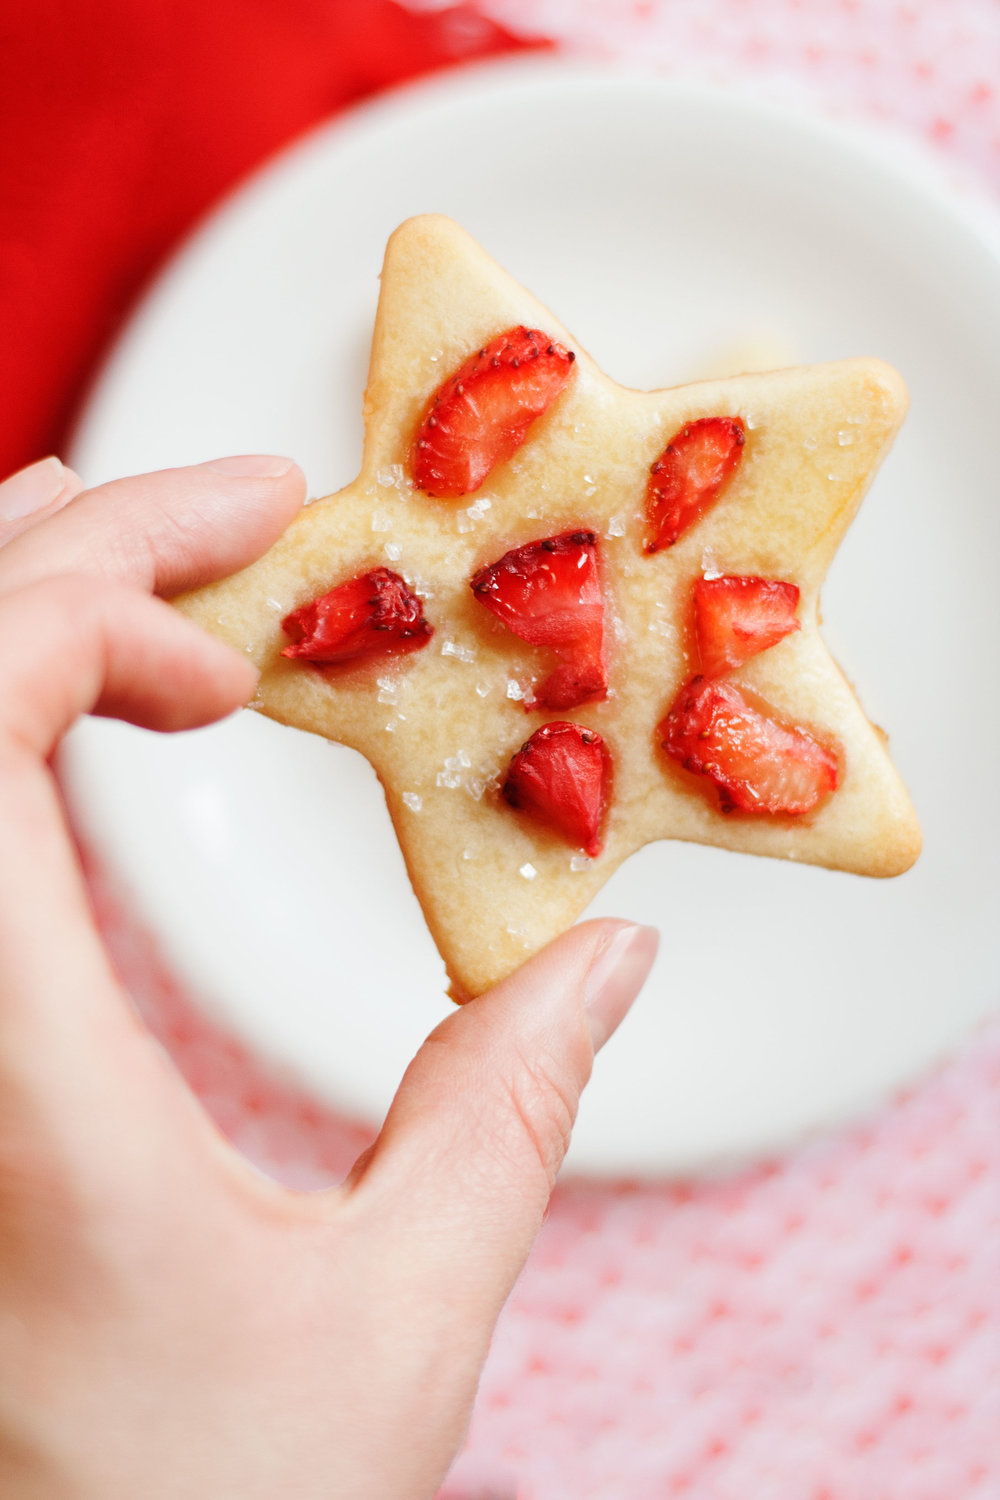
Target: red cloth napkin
(121, 121)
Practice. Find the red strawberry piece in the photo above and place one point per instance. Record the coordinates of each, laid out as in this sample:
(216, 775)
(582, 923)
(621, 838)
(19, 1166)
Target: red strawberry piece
(549, 593)
(690, 475)
(758, 765)
(481, 414)
(375, 614)
(562, 778)
(736, 617)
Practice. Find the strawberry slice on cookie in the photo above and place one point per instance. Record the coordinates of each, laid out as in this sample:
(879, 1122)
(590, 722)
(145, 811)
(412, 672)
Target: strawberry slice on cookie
(757, 764)
(480, 416)
(561, 777)
(690, 475)
(738, 616)
(375, 614)
(550, 594)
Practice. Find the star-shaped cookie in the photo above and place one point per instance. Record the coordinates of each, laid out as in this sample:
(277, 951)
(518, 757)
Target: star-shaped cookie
(440, 724)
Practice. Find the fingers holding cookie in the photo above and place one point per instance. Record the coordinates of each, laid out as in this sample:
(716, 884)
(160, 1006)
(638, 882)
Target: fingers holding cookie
(471, 1146)
(168, 531)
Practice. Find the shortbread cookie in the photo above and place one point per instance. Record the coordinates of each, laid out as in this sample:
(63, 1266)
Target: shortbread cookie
(562, 619)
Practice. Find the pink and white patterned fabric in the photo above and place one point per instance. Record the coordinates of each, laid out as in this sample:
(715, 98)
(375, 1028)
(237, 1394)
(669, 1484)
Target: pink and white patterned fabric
(929, 67)
(827, 1325)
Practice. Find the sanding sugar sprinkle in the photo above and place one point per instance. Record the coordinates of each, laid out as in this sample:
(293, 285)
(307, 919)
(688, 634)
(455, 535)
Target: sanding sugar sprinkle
(472, 514)
(458, 649)
(451, 775)
(476, 785)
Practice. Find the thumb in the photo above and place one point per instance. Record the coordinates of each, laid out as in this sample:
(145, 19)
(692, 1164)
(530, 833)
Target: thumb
(466, 1160)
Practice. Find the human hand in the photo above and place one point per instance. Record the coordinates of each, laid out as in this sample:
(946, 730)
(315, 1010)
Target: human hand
(171, 1324)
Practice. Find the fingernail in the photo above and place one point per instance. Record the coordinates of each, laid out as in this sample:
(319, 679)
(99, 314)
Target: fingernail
(32, 489)
(616, 976)
(251, 466)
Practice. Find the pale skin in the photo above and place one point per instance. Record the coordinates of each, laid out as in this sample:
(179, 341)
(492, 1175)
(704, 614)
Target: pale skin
(171, 1324)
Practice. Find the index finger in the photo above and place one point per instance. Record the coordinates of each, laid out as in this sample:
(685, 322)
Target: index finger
(69, 646)
(35, 493)
(167, 532)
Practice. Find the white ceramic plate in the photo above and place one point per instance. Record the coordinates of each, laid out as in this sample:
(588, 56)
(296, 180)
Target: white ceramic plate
(663, 225)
